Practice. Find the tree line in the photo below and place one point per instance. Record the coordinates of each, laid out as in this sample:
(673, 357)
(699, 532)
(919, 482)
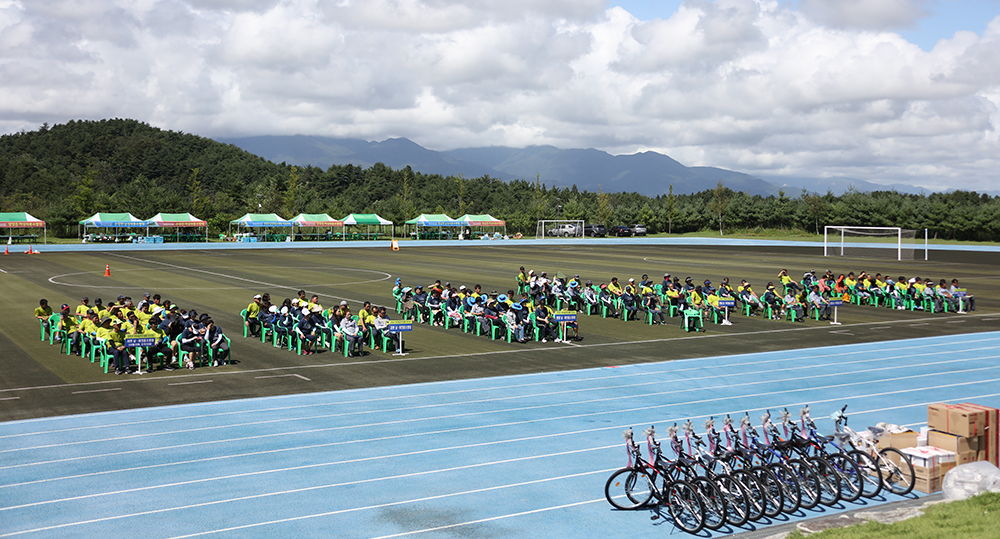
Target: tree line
(68, 172)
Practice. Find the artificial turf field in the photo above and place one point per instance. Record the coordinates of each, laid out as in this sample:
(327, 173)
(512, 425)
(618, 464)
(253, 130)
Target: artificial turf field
(301, 458)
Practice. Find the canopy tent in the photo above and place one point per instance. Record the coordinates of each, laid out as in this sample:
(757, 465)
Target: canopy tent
(482, 221)
(114, 222)
(18, 220)
(431, 220)
(368, 220)
(179, 220)
(262, 220)
(317, 220)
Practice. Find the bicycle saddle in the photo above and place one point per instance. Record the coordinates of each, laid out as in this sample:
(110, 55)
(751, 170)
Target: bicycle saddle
(841, 437)
(876, 431)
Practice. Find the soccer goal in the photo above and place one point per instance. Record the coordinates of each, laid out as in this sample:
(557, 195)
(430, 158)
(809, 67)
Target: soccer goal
(869, 242)
(559, 229)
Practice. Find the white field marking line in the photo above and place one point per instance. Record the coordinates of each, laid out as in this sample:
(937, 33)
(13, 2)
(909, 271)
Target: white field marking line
(3, 270)
(477, 427)
(955, 322)
(917, 325)
(880, 327)
(306, 489)
(501, 399)
(990, 319)
(189, 383)
(60, 283)
(97, 390)
(262, 283)
(10, 398)
(279, 376)
(491, 519)
(522, 385)
(496, 352)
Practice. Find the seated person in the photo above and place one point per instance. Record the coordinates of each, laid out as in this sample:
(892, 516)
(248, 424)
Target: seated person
(712, 301)
(379, 325)
(353, 343)
(748, 297)
(819, 303)
(941, 291)
(516, 322)
(651, 304)
(787, 281)
(420, 304)
(435, 309)
(69, 324)
(773, 300)
(630, 307)
(590, 296)
(43, 312)
(217, 343)
(608, 300)
(306, 332)
(792, 303)
(968, 300)
(546, 326)
(929, 295)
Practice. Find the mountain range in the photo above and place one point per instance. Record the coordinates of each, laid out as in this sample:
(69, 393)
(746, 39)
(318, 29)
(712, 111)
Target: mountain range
(647, 173)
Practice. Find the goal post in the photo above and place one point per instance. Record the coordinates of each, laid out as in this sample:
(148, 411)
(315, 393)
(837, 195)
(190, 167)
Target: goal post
(869, 242)
(559, 229)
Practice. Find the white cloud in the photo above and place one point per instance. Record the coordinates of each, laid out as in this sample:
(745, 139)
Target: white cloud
(744, 84)
(866, 14)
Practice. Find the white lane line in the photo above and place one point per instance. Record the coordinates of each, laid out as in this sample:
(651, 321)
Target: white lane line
(10, 398)
(668, 369)
(990, 319)
(956, 322)
(189, 383)
(539, 349)
(282, 376)
(618, 388)
(880, 327)
(918, 325)
(97, 390)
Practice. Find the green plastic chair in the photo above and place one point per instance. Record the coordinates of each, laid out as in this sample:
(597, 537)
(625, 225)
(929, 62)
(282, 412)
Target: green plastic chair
(692, 321)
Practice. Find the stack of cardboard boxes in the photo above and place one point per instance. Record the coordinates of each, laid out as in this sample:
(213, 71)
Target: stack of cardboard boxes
(956, 434)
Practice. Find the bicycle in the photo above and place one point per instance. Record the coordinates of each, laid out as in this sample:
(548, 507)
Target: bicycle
(734, 493)
(793, 446)
(637, 482)
(738, 455)
(853, 479)
(763, 454)
(896, 475)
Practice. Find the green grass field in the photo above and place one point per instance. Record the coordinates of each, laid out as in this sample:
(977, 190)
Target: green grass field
(36, 381)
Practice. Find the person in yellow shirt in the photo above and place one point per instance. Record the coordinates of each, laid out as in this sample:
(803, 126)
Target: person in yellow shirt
(162, 345)
(71, 326)
(82, 308)
(252, 320)
(614, 288)
(43, 312)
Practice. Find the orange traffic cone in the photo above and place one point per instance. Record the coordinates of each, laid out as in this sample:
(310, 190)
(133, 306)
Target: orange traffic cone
(107, 270)
(6, 249)
(394, 245)
(28, 252)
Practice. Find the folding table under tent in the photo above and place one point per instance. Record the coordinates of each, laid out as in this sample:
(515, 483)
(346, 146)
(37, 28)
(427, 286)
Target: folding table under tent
(432, 220)
(317, 220)
(178, 220)
(21, 220)
(262, 220)
(368, 220)
(114, 222)
(482, 221)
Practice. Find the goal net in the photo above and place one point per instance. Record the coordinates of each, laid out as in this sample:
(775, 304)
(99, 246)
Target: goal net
(869, 242)
(559, 229)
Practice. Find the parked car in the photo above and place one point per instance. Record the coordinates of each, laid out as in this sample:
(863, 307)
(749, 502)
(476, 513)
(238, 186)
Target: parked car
(595, 231)
(620, 231)
(565, 230)
(638, 230)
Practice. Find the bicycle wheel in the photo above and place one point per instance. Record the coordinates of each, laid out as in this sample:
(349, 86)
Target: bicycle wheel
(774, 500)
(629, 488)
(789, 487)
(808, 483)
(737, 499)
(852, 484)
(756, 497)
(897, 471)
(684, 507)
(829, 480)
(712, 501)
(869, 472)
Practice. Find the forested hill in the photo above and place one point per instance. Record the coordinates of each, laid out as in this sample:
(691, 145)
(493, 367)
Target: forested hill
(68, 172)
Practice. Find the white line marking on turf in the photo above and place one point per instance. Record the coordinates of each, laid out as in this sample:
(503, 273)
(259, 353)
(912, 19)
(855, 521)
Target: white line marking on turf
(10, 398)
(449, 391)
(283, 376)
(741, 383)
(498, 352)
(189, 383)
(97, 390)
(880, 327)
(956, 322)
(918, 325)
(990, 319)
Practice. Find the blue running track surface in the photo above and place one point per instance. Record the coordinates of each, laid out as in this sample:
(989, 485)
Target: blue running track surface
(515, 456)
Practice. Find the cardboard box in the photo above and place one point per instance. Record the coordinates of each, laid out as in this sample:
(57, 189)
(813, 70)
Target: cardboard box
(927, 486)
(991, 433)
(953, 442)
(921, 472)
(929, 457)
(966, 457)
(899, 440)
(956, 419)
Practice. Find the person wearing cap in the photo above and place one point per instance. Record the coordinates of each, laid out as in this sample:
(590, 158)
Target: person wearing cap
(712, 305)
(818, 302)
(491, 316)
(515, 320)
(305, 331)
(351, 332)
(794, 304)
(435, 308)
(629, 302)
(115, 341)
(69, 324)
(749, 298)
(773, 300)
(590, 298)
(453, 308)
(379, 326)
(608, 301)
(574, 296)
(630, 287)
(252, 318)
(420, 305)
(666, 281)
(193, 343)
(82, 308)
(652, 306)
(787, 281)
(145, 301)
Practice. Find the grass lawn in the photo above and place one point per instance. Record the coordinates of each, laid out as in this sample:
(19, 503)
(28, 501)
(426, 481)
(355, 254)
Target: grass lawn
(974, 518)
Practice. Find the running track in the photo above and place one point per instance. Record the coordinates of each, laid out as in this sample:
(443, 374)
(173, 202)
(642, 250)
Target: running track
(517, 456)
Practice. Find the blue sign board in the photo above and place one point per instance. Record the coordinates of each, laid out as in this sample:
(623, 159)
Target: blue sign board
(397, 327)
(139, 341)
(564, 316)
(836, 302)
(727, 303)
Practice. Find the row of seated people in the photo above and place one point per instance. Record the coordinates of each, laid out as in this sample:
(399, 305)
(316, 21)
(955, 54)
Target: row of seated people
(99, 331)
(913, 294)
(303, 325)
(495, 314)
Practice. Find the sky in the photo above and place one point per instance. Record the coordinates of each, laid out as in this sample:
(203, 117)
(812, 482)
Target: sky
(888, 91)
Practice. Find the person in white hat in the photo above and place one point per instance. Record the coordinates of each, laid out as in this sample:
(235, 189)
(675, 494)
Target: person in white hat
(251, 319)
